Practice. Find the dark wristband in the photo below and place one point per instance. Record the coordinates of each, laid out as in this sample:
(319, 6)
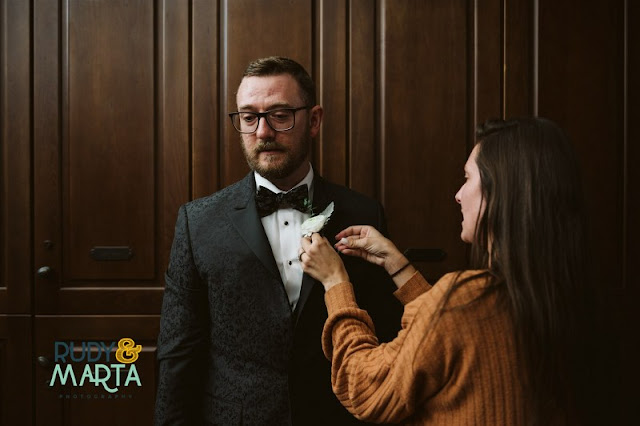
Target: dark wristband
(400, 270)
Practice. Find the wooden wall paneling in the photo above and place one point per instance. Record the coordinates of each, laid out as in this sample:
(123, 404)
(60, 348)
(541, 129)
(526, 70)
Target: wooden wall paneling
(46, 153)
(112, 158)
(424, 95)
(15, 158)
(518, 60)
(331, 81)
(625, 304)
(174, 120)
(70, 405)
(632, 148)
(205, 104)
(362, 143)
(253, 29)
(16, 378)
(581, 88)
(486, 64)
(108, 137)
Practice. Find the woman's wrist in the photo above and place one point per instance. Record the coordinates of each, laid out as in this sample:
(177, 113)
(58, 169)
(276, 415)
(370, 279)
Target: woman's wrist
(395, 263)
(400, 269)
(335, 279)
(403, 275)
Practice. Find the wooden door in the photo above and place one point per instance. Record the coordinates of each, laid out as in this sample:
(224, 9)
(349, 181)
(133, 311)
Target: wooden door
(111, 167)
(588, 82)
(16, 272)
(16, 370)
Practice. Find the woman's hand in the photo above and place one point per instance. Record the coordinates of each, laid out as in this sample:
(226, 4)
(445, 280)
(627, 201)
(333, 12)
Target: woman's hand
(366, 242)
(321, 261)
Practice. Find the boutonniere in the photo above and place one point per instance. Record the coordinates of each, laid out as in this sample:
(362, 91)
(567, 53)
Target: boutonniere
(317, 222)
(308, 206)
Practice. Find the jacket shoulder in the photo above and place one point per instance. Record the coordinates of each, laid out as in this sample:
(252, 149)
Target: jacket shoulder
(354, 197)
(223, 199)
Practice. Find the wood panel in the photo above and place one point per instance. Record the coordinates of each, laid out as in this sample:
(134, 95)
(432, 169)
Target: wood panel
(486, 61)
(16, 378)
(588, 102)
(205, 94)
(46, 143)
(112, 150)
(108, 138)
(331, 80)
(254, 29)
(518, 39)
(92, 404)
(174, 179)
(631, 226)
(632, 153)
(584, 76)
(363, 143)
(423, 123)
(15, 158)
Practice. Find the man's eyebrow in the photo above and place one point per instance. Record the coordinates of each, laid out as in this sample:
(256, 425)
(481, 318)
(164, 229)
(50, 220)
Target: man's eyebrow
(271, 107)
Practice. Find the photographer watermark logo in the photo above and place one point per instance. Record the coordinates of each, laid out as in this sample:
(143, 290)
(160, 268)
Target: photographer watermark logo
(91, 362)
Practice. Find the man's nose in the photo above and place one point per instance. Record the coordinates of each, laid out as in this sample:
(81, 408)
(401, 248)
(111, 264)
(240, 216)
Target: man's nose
(264, 130)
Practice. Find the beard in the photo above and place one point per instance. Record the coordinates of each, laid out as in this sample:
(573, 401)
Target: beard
(295, 155)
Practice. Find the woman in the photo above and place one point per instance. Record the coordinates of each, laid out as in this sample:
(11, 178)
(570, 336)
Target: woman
(503, 343)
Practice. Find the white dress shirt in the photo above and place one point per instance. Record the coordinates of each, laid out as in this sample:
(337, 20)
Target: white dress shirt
(283, 231)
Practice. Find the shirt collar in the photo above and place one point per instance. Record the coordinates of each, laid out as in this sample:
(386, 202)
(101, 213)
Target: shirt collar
(308, 180)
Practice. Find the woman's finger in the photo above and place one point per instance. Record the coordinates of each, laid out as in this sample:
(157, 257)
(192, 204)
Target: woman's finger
(350, 231)
(315, 238)
(305, 243)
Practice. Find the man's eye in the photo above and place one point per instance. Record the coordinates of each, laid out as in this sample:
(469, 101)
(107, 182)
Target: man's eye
(248, 118)
(279, 115)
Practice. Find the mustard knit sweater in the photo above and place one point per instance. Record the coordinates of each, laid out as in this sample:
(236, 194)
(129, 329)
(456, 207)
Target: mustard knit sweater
(459, 370)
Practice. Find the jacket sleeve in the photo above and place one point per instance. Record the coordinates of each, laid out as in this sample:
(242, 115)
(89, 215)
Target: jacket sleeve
(182, 343)
(374, 288)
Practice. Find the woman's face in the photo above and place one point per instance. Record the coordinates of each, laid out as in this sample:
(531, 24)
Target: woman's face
(470, 198)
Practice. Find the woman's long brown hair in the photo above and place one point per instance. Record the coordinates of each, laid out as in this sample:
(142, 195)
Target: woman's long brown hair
(532, 238)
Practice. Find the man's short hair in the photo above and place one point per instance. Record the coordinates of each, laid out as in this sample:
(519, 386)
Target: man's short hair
(277, 65)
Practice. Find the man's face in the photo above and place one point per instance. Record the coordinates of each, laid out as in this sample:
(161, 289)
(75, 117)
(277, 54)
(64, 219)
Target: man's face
(281, 157)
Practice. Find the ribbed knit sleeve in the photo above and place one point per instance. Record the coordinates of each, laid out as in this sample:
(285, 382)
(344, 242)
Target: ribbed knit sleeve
(412, 288)
(431, 372)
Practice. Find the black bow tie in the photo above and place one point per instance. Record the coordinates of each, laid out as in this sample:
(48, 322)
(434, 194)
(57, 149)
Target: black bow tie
(268, 202)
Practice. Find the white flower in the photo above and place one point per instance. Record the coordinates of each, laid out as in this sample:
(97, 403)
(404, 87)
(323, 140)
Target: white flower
(317, 222)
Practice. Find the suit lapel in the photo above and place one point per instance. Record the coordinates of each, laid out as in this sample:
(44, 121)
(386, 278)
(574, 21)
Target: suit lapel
(244, 217)
(321, 198)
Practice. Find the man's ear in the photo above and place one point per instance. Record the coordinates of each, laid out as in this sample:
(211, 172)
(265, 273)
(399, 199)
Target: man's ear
(315, 119)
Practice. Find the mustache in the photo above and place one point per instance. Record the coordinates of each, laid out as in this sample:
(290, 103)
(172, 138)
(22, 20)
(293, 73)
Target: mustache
(268, 146)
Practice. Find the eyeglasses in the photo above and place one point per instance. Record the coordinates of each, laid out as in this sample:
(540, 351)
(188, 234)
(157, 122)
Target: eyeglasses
(280, 120)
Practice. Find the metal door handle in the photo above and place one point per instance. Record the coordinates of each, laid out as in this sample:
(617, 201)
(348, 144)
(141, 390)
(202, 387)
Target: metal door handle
(44, 361)
(44, 272)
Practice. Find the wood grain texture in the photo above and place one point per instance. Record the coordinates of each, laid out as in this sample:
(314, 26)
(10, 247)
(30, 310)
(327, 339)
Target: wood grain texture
(15, 159)
(254, 29)
(423, 104)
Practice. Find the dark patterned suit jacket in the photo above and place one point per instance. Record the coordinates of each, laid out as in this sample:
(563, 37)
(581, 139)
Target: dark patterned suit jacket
(230, 349)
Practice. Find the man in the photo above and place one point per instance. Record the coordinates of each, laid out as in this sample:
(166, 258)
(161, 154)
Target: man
(241, 324)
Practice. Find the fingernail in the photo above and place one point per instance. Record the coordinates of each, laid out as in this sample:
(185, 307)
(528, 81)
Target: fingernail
(344, 241)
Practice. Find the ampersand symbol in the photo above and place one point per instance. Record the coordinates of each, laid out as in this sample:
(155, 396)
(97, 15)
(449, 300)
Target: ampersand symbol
(127, 351)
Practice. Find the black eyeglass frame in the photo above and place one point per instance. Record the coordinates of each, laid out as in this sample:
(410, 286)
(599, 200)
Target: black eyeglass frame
(264, 115)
